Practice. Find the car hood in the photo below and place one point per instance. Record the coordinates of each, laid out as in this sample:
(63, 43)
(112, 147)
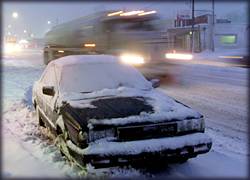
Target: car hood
(126, 106)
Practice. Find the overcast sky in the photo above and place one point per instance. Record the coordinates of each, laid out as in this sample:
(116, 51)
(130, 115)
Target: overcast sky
(33, 16)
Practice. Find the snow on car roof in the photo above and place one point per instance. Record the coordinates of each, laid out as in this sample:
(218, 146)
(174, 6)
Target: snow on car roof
(84, 59)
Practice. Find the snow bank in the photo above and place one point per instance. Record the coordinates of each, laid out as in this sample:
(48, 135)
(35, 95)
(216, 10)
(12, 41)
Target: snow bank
(28, 166)
(29, 151)
(28, 97)
(115, 172)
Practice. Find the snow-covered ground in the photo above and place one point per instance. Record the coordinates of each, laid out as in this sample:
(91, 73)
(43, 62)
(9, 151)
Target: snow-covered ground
(220, 93)
(220, 52)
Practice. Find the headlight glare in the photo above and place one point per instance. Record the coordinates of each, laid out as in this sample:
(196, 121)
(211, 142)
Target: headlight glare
(132, 59)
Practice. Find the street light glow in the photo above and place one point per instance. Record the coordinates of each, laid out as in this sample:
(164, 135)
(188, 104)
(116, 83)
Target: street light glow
(49, 22)
(24, 31)
(15, 15)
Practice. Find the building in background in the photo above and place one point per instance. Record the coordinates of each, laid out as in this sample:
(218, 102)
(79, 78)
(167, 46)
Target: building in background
(226, 34)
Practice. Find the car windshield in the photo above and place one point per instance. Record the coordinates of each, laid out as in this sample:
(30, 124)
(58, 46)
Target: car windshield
(92, 77)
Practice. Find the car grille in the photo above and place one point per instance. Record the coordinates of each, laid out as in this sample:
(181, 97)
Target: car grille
(146, 131)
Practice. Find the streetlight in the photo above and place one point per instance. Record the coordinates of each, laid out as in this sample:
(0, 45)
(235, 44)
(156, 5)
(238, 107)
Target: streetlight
(24, 31)
(49, 22)
(15, 15)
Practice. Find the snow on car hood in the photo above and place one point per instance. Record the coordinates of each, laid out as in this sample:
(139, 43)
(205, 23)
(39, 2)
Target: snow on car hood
(164, 107)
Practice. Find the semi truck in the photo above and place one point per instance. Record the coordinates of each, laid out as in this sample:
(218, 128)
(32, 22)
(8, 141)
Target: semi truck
(134, 36)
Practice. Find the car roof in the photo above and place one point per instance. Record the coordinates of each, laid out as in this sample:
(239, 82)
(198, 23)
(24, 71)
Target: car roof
(83, 59)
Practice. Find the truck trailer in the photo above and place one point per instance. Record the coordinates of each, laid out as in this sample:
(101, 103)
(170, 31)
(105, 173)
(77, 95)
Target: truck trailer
(134, 36)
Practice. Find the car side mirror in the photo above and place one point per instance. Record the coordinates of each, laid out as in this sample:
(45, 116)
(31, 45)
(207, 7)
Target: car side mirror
(155, 83)
(49, 90)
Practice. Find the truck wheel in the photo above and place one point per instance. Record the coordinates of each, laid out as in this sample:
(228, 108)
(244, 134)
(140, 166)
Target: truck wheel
(39, 119)
(51, 56)
(48, 56)
(45, 58)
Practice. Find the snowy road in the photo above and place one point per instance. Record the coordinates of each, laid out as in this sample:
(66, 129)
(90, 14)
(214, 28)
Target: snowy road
(220, 93)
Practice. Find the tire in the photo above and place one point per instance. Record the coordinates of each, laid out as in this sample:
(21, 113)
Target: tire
(39, 119)
(182, 160)
(60, 142)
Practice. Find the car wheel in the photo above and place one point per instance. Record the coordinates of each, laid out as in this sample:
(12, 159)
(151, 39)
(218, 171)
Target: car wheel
(61, 144)
(39, 119)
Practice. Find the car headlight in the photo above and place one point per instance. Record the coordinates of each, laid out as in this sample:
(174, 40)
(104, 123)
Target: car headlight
(132, 59)
(197, 125)
(99, 134)
(82, 139)
(11, 48)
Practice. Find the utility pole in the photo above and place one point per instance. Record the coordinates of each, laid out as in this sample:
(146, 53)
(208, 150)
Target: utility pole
(213, 26)
(192, 30)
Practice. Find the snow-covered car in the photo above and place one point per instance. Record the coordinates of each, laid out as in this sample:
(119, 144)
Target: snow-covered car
(103, 111)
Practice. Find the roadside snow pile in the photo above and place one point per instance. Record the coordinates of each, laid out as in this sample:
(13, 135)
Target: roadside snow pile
(37, 155)
(19, 123)
(27, 100)
(16, 81)
(116, 172)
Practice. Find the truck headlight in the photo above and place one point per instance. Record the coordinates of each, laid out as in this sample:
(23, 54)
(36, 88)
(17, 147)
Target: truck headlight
(132, 59)
(179, 56)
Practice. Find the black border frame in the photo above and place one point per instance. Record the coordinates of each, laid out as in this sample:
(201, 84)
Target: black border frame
(110, 1)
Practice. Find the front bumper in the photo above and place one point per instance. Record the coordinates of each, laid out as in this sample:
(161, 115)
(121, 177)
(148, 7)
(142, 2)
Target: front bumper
(106, 151)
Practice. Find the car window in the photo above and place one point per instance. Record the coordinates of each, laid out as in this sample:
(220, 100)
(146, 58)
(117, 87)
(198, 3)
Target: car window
(49, 78)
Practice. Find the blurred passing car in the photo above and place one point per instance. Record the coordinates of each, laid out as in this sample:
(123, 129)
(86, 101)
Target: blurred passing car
(105, 112)
(239, 58)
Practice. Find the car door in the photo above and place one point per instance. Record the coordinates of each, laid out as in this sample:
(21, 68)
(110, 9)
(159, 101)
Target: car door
(39, 93)
(49, 102)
